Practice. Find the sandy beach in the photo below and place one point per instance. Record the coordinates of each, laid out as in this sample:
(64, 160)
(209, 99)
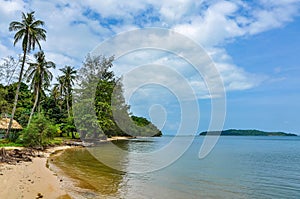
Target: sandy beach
(115, 138)
(32, 179)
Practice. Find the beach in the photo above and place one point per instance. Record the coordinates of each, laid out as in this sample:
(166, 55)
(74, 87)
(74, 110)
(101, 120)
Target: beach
(32, 179)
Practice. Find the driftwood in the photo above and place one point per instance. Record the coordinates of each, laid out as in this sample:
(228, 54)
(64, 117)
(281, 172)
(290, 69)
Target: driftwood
(15, 156)
(79, 143)
(3, 152)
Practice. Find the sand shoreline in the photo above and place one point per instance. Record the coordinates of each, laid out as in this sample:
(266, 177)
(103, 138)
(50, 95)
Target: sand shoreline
(32, 179)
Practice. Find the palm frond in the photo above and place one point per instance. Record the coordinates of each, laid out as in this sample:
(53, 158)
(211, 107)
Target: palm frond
(29, 31)
(15, 26)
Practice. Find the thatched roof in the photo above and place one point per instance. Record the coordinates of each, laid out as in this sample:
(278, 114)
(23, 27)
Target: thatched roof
(4, 122)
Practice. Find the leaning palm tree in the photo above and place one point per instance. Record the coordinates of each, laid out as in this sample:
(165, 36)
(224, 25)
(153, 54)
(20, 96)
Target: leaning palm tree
(68, 77)
(29, 31)
(40, 77)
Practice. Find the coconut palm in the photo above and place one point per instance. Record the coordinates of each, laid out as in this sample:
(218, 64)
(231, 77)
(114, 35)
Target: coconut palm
(29, 31)
(68, 77)
(40, 77)
(58, 92)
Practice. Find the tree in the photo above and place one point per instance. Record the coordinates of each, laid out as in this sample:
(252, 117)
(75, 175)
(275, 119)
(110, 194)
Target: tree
(39, 133)
(25, 103)
(40, 77)
(3, 101)
(58, 92)
(8, 69)
(94, 69)
(103, 107)
(67, 81)
(51, 109)
(29, 31)
(100, 92)
(69, 127)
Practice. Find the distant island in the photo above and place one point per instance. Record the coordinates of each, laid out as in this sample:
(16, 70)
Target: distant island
(237, 132)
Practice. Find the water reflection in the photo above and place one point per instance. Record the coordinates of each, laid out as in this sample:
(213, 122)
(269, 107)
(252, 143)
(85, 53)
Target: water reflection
(81, 165)
(238, 167)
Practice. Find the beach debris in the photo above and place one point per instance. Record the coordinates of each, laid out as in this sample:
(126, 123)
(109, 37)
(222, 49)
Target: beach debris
(16, 155)
(39, 195)
(79, 143)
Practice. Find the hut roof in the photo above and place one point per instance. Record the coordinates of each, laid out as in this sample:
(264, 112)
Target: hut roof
(4, 122)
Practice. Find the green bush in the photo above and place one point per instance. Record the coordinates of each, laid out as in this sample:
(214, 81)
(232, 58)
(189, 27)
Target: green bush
(39, 133)
(13, 136)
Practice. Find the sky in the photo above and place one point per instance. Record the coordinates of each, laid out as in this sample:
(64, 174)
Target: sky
(253, 45)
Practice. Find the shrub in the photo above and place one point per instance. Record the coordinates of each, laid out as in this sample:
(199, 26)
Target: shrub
(39, 133)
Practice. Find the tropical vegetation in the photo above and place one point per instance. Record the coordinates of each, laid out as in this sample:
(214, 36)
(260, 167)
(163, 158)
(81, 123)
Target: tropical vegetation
(30, 32)
(49, 108)
(40, 77)
(251, 132)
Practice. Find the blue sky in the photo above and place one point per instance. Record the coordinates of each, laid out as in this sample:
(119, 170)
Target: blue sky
(273, 105)
(253, 44)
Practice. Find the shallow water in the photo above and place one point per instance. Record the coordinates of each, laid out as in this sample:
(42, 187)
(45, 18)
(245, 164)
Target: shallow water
(238, 167)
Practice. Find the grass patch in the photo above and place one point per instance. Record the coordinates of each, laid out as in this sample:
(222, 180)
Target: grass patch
(7, 143)
(57, 141)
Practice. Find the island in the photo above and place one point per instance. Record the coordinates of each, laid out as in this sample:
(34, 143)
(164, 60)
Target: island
(238, 132)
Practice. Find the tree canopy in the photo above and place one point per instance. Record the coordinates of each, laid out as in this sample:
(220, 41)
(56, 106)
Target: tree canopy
(101, 89)
(99, 109)
(30, 32)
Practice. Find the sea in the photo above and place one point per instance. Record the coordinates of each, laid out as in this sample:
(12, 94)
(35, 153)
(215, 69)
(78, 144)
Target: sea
(237, 167)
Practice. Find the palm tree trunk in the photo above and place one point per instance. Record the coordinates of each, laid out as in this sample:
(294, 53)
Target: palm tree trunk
(17, 94)
(68, 106)
(34, 106)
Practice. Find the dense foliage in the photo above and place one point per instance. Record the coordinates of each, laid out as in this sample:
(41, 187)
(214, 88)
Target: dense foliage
(111, 113)
(24, 105)
(99, 87)
(143, 122)
(39, 133)
(100, 109)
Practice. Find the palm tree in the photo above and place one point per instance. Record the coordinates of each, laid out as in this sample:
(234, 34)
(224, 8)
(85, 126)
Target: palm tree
(40, 77)
(68, 77)
(58, 92)
(29, 31)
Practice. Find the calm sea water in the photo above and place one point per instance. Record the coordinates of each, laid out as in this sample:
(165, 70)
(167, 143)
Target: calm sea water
(238, 167)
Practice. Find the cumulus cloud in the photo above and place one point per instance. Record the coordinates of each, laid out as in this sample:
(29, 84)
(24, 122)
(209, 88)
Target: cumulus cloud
(214, 27)
(4, 51)
(75, 28)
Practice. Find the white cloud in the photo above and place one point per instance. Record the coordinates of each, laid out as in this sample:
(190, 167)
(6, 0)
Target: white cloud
(235, 78)
(214, 27)
(68, 32)
(4, 51)
(174, 11)
(275, 17)
(74, 28)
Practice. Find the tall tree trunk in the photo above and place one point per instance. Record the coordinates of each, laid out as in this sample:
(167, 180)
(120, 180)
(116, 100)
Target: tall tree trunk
(73, 135)
(17, 94)
(68, 105)
(34, 106)
(60, 105)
